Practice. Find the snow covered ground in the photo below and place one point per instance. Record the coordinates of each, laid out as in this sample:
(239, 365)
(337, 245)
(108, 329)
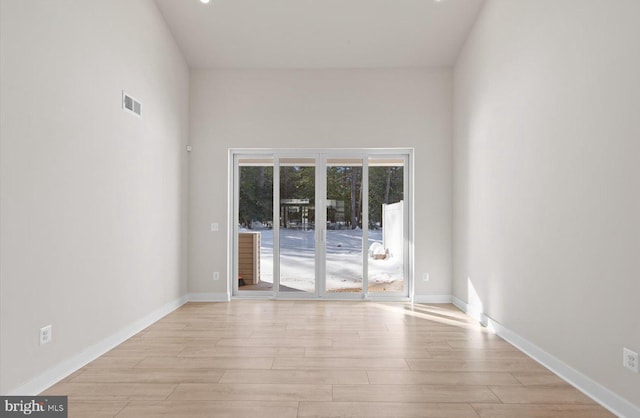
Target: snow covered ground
(344, 260)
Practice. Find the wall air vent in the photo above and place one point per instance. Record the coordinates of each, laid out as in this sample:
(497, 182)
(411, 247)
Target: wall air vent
(131, 105)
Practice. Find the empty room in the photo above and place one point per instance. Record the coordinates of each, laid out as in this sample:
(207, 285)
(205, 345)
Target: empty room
(320, 208)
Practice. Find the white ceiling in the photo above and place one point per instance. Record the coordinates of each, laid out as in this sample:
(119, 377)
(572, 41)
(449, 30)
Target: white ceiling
(320, 33)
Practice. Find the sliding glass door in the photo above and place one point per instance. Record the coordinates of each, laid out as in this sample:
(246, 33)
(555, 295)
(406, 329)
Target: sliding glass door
(387, 225)
(344, 233)
(254, 196)
(323, 224)
(297, 225)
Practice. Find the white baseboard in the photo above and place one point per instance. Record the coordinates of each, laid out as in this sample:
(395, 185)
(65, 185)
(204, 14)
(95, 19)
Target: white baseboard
(66, 367)
(605, 397)
(431, 298)
(209, 297)
(473, 311)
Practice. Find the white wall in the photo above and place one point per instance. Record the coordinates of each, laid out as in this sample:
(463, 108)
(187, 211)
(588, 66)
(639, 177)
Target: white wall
(547, 178)
(320, 109)
(94, 200)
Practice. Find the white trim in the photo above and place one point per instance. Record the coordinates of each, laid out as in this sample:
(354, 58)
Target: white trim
(431, 299)
(209, 297)
(475, 312)
(71, 365)
(296, 151)
(232, 223)
(604, 396)
(460, 304)
(409, 223)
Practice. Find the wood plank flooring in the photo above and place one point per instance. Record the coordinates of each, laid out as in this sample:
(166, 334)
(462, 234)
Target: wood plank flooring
(262, 359)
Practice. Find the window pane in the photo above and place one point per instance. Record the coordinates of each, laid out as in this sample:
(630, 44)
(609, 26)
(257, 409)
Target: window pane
(344, 225)
(297, 225)
(255, 217)
(386, 225)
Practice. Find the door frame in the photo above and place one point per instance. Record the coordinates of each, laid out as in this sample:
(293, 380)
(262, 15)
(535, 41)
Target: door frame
(321, 155)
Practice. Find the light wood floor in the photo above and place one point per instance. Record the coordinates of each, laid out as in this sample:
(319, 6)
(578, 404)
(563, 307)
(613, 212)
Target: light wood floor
(262, 359)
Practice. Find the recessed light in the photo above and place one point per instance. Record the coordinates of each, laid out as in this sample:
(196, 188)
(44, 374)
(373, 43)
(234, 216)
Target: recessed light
(205, 1)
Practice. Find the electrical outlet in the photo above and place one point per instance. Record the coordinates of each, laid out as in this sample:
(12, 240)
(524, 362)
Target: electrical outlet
(46, 334)
(216, 275)
(425, 277)
(215, 227)
(630, 360)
